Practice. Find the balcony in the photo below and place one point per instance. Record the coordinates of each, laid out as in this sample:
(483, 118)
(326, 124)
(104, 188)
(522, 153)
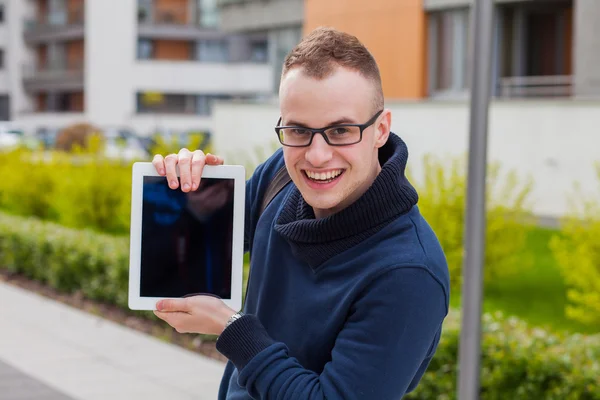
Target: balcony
(42, 79)
(536, 86)
(177, 23)
(256, 15)
(56, 26)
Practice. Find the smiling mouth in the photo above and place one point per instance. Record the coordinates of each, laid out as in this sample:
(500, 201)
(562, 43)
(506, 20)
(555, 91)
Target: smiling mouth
(323, 177)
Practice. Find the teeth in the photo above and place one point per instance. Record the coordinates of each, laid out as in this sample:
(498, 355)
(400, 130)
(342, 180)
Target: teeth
(323, 176)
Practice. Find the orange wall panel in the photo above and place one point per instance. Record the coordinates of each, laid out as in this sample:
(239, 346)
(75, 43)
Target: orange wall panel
(42, 52)
(568, 49)
(41, 102)
(172, 50)
(75, 11)
(394, 31)
(75, 50)
(174, 11)
(76, 101)
(42, 10)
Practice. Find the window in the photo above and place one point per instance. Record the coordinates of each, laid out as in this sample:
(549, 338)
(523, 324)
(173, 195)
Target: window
(205, 102)
(208, 13)
(161, 103)
(145, 11)
(151, 102)
(1, 13)
(56, 56)
(448, 51)
(535, 50)
(534, 41)
(212, 51)
(259, 51)
(1, 59)
(4, 108)
(145, 49)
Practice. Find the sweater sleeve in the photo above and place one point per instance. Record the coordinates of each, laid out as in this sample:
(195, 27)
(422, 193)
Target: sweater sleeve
(381, 352)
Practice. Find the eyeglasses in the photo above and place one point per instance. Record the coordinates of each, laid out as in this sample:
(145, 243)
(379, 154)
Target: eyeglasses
(335, 135)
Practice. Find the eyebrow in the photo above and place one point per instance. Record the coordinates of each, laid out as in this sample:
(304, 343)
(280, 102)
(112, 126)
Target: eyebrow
(343, 120)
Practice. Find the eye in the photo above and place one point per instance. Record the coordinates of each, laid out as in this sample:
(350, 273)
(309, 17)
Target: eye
(299, 131)
(339, 131)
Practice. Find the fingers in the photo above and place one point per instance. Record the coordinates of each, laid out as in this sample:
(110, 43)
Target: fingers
(159, 164)
(185, 169)
(173, 305)
(171, 171)
(198, 162)
(190, 166)
(212, 159)
(177, 320)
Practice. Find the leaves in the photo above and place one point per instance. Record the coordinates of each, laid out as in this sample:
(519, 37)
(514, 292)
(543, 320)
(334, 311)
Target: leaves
(442, 201)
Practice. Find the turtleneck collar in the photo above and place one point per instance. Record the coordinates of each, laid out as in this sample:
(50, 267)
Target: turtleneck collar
(317, 240)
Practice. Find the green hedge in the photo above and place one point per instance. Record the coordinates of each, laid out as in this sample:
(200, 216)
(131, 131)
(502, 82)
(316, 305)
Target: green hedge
(517, 362)
(67, 259)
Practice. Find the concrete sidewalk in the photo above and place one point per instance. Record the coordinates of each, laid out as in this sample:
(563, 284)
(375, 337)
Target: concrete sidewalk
(49, 350)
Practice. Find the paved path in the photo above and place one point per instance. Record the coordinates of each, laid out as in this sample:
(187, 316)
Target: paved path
(51, 351)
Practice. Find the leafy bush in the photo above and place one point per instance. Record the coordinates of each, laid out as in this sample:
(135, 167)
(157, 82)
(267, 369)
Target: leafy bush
(77, 137)
(81, 189)
(192, 141)
(518, 362)
(442, 201)
(76, 190)
(577, 251)
(66, 259)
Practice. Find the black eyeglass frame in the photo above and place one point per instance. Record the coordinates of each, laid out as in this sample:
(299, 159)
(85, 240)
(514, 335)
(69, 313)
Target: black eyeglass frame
(314, 131)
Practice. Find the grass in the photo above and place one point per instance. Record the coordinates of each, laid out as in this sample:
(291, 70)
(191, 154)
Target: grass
(537, 294)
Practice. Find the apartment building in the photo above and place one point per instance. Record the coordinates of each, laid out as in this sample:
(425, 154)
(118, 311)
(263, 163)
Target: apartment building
(542, 48)
(145, 64)
(4, 83)
(274, 26)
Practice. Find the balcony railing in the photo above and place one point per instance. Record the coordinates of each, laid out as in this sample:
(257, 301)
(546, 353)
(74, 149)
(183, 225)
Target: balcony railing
(58, 19)
(536, 86)
(178, 16)
(53, 78)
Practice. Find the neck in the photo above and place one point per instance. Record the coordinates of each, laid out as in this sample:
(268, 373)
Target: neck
(324, 213)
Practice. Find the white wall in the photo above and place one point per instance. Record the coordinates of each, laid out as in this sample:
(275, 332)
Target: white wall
(201, 78)
(554, 142)
(4, 46)
(17, 54)
(30, 122)
(4, 86)
(110, 50)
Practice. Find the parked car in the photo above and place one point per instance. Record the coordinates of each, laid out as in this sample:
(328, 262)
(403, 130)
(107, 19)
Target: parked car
(10, 136)
(123, 143)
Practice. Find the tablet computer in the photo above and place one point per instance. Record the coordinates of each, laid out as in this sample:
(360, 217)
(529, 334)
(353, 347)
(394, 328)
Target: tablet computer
(184, 244)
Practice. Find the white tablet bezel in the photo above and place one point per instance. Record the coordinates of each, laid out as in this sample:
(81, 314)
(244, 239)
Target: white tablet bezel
(235, 172)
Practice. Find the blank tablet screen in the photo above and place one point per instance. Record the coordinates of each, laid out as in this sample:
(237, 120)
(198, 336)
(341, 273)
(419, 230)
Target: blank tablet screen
(186, 239)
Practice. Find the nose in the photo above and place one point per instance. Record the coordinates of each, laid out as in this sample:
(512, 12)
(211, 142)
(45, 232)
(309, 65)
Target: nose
(319, 152)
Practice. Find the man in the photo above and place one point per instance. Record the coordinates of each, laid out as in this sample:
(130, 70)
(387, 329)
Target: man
(348, 286)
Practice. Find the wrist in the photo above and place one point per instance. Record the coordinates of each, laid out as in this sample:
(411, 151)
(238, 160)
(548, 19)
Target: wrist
(232, 319)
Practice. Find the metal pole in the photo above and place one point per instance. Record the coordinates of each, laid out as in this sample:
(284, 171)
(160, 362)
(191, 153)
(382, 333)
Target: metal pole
(472, 290)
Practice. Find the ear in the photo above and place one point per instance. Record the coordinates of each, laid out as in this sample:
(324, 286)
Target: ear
(383, 126)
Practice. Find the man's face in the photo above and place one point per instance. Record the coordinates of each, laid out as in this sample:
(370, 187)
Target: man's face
(332, 177)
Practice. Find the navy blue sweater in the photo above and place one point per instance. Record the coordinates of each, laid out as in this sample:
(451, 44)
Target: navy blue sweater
(345, 307)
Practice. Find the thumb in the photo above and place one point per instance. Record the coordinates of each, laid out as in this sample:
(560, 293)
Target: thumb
(171, 305)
